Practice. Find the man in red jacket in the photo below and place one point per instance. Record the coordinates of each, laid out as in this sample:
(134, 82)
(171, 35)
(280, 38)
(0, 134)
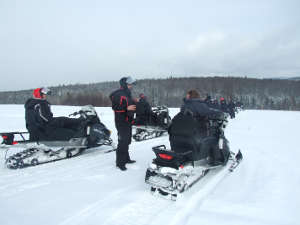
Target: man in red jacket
(124, 108)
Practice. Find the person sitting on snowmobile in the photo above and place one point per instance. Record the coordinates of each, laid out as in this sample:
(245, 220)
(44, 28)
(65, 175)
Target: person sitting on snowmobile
(40, 121)
(224, 105)
(193, 105)
(143, 111)
(190, 130)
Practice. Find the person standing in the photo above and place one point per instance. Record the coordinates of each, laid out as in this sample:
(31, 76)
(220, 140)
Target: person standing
(124, 107)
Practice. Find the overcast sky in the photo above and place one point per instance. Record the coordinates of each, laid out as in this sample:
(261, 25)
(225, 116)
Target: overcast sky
(52, 42)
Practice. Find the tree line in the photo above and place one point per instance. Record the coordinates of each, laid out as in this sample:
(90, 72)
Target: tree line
(253, 93)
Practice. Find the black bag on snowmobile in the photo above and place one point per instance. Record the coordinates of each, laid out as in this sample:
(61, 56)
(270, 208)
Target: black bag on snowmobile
(8, 138)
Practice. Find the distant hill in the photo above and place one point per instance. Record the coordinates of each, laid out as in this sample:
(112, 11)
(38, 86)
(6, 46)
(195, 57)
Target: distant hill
(294, 78)
(254, 93)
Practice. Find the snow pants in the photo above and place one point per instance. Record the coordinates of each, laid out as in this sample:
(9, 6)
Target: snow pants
(124, 140)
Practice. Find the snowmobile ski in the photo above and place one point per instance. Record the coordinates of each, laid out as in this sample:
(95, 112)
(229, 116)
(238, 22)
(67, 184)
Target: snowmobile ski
(236, 162)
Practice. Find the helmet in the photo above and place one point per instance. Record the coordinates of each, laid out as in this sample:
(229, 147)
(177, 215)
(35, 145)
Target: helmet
(38, 92)
(130, 80)
(45, 91)
(127, 80)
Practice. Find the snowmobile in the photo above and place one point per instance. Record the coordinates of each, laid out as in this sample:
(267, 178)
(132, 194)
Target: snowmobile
(192, 155)
(91, 133)
(153, 125)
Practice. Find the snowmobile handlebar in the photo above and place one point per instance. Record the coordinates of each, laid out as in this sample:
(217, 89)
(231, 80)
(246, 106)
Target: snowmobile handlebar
(221, 118)
(80, 112)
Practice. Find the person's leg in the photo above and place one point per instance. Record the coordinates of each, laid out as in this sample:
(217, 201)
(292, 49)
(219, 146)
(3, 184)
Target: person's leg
(122, 145)
(65, 122)
(124, 139)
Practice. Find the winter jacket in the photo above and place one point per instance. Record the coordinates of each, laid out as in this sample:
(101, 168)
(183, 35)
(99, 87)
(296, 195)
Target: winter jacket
(143, 111)
(37, 113)
(224, 106)
(121, 99)
(199, 109)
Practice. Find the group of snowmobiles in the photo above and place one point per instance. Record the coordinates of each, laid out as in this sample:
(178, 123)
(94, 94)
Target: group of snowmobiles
(92, 134)
(172, 171)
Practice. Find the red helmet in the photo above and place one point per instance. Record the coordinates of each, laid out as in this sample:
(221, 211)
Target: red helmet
(38, 92)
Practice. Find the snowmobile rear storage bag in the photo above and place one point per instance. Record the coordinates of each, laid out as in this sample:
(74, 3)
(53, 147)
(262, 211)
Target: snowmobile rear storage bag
(8, 138)
(169, 158)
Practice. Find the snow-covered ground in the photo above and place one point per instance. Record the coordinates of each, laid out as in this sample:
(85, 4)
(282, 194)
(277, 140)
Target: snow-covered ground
(89, 189)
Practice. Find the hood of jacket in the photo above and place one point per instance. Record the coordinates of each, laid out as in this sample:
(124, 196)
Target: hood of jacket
(30, 103)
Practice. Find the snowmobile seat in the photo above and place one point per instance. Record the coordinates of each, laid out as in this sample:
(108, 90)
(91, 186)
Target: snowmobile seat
(185, 136)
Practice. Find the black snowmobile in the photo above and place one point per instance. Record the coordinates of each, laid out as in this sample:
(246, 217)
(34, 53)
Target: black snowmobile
(151, 125)
(193, 154)
(91, 133)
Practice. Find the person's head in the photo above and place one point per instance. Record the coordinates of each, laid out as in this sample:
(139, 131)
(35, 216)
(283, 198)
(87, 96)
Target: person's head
(142, 95)
(127, 82)
(192, 94)
(41, 93)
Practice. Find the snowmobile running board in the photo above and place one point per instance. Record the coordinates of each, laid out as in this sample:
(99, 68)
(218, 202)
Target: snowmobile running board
(149, 128)
(143, 133)
(41, 152)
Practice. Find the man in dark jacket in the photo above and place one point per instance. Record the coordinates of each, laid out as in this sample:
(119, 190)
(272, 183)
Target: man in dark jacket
(193, 105)
(223, 105)
(231, 109)
(143, 111)
(124, 108)
(40, 121)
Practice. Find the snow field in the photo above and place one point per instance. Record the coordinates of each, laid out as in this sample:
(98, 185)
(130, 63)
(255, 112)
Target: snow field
(89, 189)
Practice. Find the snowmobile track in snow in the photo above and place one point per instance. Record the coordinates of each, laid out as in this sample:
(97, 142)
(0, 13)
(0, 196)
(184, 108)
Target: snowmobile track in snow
(209, 183)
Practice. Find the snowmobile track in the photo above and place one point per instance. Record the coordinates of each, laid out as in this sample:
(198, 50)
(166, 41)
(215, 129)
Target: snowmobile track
(196, 198)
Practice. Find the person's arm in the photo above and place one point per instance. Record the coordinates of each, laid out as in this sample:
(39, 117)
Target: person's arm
(42, 111)
(204, 110)
(120, 104)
